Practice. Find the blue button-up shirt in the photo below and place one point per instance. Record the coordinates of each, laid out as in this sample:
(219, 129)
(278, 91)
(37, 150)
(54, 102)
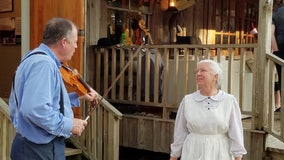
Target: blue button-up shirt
(37, 84)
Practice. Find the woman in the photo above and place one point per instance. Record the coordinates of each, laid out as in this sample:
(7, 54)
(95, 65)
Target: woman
(208, 124)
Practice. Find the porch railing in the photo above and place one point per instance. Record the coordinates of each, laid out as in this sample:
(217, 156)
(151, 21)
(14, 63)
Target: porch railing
(7, 131)
(99, 140)
(270, 117)
(161, 75)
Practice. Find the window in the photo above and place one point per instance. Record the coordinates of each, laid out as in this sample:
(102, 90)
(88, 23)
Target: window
(123, 18)
(234, 21)
(225, 22)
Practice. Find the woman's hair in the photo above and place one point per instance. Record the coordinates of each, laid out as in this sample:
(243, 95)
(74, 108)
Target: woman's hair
(56, 29)
(216, 69)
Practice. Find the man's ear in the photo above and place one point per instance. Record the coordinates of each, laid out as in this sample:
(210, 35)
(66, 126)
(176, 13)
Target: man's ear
(63, 42)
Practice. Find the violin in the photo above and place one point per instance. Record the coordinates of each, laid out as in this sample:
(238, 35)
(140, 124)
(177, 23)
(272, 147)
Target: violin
(73, 81)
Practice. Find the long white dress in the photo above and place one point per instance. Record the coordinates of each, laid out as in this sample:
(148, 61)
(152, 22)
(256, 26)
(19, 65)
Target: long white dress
(208, 128)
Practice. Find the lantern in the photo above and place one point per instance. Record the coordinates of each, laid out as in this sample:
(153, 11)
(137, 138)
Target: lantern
(172, 5)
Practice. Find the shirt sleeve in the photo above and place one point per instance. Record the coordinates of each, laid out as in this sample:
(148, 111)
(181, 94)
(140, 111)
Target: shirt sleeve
(180, 131)
(235, 133)
(74, 99)
(12, 104)
(40, 102)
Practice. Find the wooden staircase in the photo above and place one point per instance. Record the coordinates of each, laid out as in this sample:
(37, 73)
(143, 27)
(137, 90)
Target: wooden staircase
(70, 153)
(274, 148)
(75, 149)
(73, 153)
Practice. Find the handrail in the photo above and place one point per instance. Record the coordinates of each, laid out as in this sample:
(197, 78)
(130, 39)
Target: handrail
(102, 129)
(4, 108)
(7, 131)
(275, 129)
(100, 140)
(116, 113)
(172, 46)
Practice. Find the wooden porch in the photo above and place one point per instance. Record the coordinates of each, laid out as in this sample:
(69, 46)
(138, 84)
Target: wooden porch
(149, 100)
(148, 112)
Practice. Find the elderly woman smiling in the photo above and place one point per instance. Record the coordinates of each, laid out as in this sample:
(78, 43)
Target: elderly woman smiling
(208, 124)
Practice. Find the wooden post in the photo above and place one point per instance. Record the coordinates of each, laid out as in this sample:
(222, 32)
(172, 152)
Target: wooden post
(260, 96)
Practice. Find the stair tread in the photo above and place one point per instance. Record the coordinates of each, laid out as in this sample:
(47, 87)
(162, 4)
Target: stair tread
(72, 151)
(273, 144)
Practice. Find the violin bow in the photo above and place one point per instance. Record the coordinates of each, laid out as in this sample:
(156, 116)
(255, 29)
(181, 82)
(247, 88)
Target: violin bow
(114, 82)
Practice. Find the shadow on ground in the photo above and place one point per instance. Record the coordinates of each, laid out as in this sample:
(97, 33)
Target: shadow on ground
(136, 154)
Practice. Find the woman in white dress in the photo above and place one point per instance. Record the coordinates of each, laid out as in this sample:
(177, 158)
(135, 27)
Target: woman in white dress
(208, 124)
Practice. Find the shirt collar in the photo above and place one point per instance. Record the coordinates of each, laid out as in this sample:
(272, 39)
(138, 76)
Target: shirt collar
(45, 49)
(197, 96)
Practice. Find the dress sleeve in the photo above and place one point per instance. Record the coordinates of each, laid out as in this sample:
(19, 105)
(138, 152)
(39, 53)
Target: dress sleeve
(180, 131)
(237, 148)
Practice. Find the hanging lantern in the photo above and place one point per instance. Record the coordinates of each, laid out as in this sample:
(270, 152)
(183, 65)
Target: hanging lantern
(172, 5)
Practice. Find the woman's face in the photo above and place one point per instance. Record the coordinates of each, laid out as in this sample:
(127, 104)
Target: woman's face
(204, 76)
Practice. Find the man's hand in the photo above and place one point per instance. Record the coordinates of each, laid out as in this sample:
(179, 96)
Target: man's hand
(91, 96)
(78, 126)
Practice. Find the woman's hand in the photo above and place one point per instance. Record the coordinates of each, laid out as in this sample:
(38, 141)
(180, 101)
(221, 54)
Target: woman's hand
(173, 158)
(238, 158)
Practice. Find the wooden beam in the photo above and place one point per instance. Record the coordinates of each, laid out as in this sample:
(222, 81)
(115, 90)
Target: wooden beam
(260, 101)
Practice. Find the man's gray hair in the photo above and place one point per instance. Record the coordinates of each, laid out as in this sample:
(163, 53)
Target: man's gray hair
(56, 29)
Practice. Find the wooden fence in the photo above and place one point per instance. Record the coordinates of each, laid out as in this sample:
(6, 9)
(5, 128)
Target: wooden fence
(160, 75)
(270, 118)
(150, 89)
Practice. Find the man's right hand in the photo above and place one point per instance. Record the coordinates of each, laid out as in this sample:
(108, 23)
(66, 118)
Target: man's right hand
(78, 126)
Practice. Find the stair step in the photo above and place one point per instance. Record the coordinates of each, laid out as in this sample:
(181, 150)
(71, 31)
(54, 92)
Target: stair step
(72, 151)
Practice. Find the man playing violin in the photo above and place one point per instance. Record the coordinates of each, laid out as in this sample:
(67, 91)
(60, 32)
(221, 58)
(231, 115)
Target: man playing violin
(40, 107)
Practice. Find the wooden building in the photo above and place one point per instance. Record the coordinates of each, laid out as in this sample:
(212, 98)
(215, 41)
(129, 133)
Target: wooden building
(142, 85)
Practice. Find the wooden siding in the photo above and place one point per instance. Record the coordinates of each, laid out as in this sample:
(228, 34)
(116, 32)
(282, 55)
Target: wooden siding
(148, 133)
(199, 20)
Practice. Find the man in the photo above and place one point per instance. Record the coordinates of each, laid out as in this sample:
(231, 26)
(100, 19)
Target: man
(277, 44)
(40, 107)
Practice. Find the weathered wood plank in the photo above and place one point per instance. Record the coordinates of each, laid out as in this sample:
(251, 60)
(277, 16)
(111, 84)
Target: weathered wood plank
(72, 151)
